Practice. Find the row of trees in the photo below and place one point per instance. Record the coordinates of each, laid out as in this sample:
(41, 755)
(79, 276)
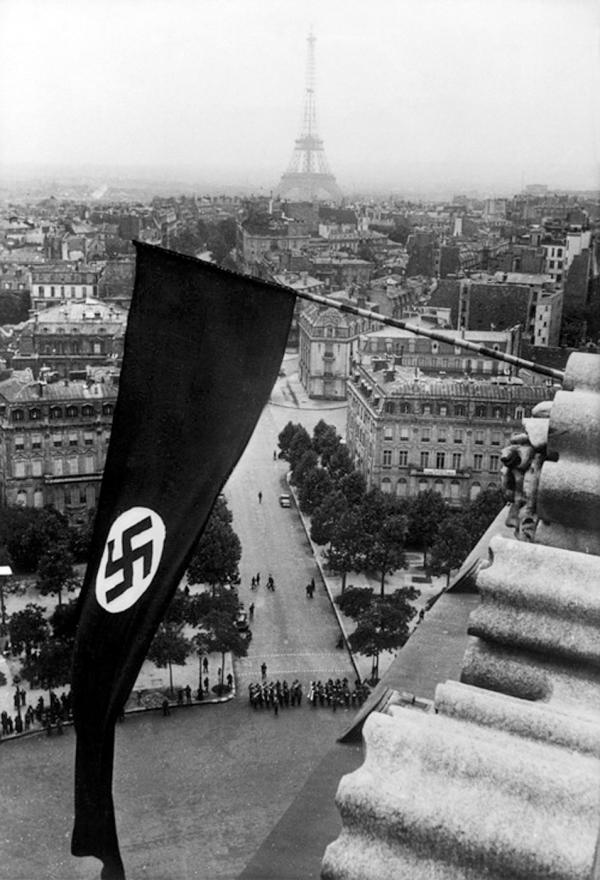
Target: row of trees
(368, 531)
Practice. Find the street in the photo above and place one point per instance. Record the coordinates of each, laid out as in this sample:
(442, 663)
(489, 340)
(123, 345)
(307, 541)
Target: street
(197, 792)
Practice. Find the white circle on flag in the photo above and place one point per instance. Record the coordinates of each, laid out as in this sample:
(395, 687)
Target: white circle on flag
(131, 556)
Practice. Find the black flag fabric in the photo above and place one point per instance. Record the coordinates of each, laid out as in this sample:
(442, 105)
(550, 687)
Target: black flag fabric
(202, 351)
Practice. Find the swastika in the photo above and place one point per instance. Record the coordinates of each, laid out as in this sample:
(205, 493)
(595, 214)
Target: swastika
(129, 556)
(130, 559)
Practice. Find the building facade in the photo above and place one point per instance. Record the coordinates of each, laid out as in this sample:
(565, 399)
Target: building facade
(407, 435)
(54, 285)
(67, 339)
(53, 442)
(327, 345)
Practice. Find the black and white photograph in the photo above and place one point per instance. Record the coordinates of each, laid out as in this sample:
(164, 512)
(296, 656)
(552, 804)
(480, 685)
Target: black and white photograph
(299, 440)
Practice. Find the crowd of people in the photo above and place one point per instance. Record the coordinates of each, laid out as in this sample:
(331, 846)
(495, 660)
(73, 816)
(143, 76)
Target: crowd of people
(49, 716)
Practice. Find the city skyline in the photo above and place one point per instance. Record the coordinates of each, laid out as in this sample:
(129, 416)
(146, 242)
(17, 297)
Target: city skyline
(411, 98)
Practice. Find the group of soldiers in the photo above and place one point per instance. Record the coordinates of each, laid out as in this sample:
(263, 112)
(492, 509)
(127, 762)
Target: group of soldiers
(337, 693)
(273, 695)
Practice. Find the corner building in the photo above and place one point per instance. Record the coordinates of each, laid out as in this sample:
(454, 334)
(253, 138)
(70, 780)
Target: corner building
(407, 434)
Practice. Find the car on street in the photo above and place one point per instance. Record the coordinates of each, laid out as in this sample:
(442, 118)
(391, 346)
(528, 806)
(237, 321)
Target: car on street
(285, 500)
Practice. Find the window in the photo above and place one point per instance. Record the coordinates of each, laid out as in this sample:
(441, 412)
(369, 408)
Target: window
(405, 407)
(36, 441)
(475, 490)
(387, 457)
(498, 412)
(424, 459)
(56, 412)
(519, 413)
(73, 438)
(441, 435)
(19, 469)
(88, 438)
(87, 411)
(38, 498)
(73, 465)
(40, 290)
(455, 490)
(401, 488)
(480, 411)
(57, 439)
(72, 412)
(107, 409)
(477, 462)
(459, 409)
(404, 432)
(479, 437)
(36, 467)
(458, 435)
(58, 467)
(456, 460)
(389, 407)
(435, 347)
(19, 441)
(426, 409)
(35, 414)
(388, 433)
(386, 485)
(494, 463)
(440, 460)
(89, 464)
(423, 485)
(403, 458)
(443, 410)
(496, 438)
(425, 435)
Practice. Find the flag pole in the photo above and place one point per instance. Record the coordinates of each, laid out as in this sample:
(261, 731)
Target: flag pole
(431, 334)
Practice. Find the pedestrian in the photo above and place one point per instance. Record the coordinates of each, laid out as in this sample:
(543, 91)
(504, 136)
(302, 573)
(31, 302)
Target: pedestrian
(180, 697)
(188, 694)
(258, 579)
(313, 586)
(206, 683)
(263, 670)
(276, 705)
(165, 707)
(229, 680)
(251, 611)
(274, 455)
(205, 665)
(59, 725)
(260, 497)
(253, 583)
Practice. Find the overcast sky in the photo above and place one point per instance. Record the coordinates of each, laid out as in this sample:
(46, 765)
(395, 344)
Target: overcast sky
(483, 93)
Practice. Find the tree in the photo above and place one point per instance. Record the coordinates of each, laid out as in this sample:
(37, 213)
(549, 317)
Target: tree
(63, 621)
(27, 628)
(383, 626)
(478, 516)
(326, 441)
(299, 446)
(55, 571)
(353, 486)
(346, 551)
(224, 637)
(316, 485)
(326, 515)
(217, 554)
(50, 667)
(29, 532)
(426, 513)
(307, 463)
(354, 601)
(169, 646)
(449, 549)
(385, 547)
(284, 440)
(340, 463)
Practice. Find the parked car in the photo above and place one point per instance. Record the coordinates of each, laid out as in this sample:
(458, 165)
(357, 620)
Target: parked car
(285, 500)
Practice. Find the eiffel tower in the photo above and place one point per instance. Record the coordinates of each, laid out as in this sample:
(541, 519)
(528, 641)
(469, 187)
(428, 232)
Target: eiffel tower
(308, 176)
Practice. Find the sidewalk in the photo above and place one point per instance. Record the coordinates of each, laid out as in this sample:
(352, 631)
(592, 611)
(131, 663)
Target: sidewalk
(150, 689)
(289, 393)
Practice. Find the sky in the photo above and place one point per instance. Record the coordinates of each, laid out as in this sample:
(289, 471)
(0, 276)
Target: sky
(466, 94)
